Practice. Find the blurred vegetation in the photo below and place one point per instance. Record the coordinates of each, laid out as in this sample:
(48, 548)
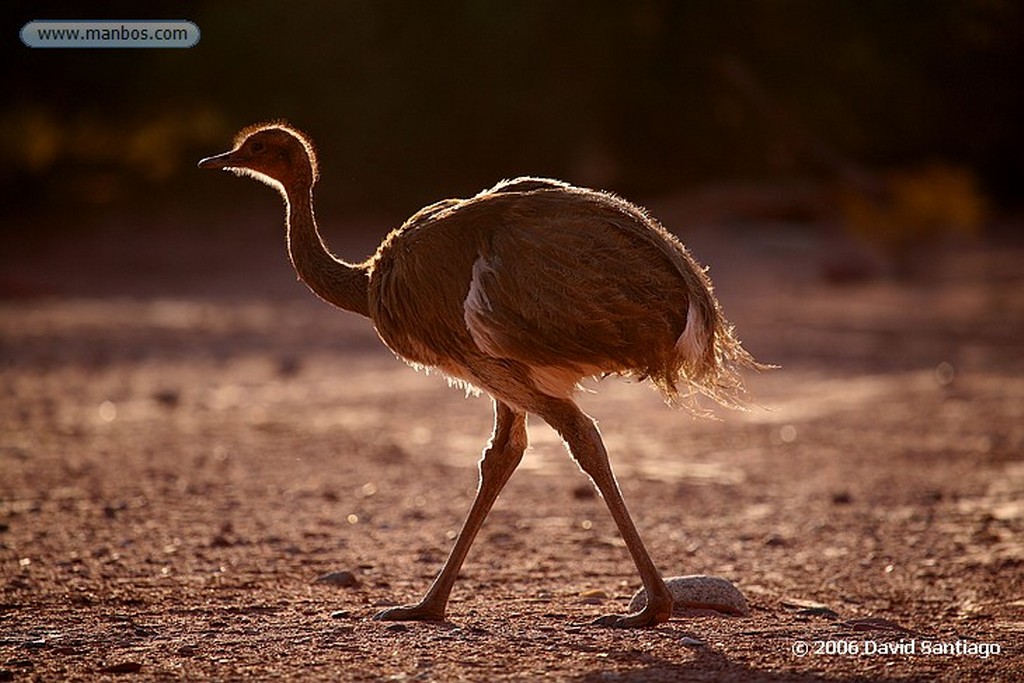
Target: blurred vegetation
(916, 206)
(410, 101)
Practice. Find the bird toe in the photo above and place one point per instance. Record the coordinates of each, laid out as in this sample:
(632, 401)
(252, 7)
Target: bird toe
(409, 613)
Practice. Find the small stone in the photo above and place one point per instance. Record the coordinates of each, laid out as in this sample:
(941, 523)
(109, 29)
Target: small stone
(289, 366)
(343, 579)
(818, 612)
(801, 604)
(122, 668)
(221, 541)
(699, 592)
(398, 628)
(341, 614)
(691, 642)
(584, 492)
(168, 398)
(842, 498)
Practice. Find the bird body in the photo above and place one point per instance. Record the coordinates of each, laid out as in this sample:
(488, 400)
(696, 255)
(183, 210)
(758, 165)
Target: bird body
(520, 291)
(558, 282)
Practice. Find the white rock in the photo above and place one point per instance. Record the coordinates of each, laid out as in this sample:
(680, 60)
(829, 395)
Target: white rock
(699, 592)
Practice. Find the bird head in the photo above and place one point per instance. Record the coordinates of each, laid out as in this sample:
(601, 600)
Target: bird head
(274, 153)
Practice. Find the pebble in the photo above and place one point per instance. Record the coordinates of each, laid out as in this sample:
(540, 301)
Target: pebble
(341, 614)
(825, 612)
(842, 498)
(345, 579)
(584, 492)
(167, 397)
(699, 592)
(801, 604)
(122, 668)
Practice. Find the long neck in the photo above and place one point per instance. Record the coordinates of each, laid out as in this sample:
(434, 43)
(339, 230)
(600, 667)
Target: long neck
(333, 280)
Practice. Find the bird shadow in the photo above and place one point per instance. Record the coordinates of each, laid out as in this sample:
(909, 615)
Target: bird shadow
(709, 664)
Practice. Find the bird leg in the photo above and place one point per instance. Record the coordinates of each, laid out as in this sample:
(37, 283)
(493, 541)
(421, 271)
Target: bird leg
(584, 442)
(503, 454)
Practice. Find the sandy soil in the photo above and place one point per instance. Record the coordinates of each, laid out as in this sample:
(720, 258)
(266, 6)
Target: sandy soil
(188, 440)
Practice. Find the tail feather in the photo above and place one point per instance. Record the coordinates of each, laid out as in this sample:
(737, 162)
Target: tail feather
(709, 356)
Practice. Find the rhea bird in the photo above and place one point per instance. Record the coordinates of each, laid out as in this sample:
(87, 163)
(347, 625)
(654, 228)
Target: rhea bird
(521, 291)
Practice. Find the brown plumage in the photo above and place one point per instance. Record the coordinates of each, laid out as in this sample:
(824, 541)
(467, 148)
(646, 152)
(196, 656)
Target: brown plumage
(520, 291)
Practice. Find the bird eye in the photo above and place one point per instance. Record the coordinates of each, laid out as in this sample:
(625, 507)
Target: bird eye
(257, 146)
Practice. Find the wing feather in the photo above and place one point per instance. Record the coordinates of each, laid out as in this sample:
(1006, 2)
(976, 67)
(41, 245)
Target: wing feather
(560, 286)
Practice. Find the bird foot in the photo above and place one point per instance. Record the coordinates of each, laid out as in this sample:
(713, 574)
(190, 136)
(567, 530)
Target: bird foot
(419, 612)
(644, 618)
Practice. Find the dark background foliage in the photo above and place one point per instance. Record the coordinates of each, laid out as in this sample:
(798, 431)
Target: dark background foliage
(410, 101)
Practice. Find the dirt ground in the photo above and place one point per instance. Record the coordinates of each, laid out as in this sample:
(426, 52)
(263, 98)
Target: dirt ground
(188, 440)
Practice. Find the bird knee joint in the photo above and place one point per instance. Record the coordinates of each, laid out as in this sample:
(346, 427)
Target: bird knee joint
(496, 463)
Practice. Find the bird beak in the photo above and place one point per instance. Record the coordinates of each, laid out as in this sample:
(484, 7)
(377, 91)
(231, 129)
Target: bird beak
(220, 161)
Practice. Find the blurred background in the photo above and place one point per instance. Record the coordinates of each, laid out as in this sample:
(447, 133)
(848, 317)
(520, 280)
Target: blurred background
(898, 122)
